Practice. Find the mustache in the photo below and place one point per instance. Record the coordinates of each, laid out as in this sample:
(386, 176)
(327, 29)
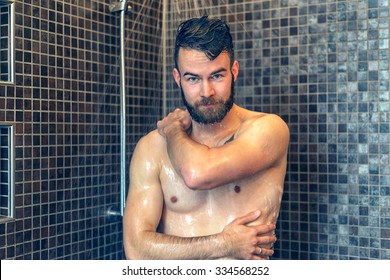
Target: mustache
(208, 101)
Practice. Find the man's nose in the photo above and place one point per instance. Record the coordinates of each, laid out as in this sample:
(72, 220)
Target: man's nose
(207, 89)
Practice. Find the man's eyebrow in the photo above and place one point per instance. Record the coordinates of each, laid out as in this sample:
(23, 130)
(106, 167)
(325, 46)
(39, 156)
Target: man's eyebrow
(222, 69)
(189, 74)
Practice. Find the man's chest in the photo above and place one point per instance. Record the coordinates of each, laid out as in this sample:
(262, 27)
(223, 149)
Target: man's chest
(181, 199)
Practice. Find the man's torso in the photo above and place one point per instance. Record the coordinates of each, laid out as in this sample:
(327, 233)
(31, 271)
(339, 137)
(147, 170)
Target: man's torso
(203, 212)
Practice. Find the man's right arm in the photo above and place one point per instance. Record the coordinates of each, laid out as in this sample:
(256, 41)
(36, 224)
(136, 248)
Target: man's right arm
(143, 213)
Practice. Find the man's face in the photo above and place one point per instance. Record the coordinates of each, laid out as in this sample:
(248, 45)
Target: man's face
(209, 110)
(207, 87)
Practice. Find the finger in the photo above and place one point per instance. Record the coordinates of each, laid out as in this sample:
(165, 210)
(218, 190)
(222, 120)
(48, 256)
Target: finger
(266, 252)
(266, 240)
(250, 217)
(261, 254)
(267, 229)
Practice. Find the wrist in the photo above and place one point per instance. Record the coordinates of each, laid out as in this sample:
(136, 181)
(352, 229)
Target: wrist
(224, 246)
(173, 129)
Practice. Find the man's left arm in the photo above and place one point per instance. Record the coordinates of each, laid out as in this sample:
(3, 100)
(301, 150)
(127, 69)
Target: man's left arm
(260, 144)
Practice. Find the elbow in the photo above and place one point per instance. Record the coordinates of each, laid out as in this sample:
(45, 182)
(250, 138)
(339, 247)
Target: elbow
(192, 185)
(193, 179)
(132, 254)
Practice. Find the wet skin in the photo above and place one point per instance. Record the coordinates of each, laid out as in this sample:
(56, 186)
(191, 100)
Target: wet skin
(185, 178)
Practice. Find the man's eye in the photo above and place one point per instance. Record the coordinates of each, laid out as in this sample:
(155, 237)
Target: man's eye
(216, 76)
(193, 79)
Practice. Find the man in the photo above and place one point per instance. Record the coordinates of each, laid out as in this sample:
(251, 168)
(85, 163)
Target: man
(211, 176)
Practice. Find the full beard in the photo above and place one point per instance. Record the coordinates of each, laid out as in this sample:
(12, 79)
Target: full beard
(210, 116)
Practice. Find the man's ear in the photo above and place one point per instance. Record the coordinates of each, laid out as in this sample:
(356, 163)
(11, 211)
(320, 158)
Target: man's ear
(235, 69)
(176, 76)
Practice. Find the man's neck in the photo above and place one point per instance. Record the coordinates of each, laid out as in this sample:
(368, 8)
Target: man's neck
(217, 134)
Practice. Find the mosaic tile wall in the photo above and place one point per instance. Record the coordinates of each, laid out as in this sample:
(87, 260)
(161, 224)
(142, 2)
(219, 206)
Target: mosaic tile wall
(323, 65)
(64, 106)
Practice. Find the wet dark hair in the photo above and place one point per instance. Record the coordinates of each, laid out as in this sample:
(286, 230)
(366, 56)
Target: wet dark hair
(211, 36)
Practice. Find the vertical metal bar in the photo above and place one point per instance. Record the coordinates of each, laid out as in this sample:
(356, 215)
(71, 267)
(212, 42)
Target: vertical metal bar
(164, 57)
(122, 111)
(122, 7)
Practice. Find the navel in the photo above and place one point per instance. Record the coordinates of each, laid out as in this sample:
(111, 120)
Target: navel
(237, 189)
(173, 199)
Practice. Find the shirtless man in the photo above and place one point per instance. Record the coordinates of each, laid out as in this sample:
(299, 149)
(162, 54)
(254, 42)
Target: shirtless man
(212, 176)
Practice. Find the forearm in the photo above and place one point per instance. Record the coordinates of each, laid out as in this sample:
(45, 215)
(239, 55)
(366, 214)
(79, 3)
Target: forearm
(152, 245)
(236, 241)
(181, 148)
(190, 159)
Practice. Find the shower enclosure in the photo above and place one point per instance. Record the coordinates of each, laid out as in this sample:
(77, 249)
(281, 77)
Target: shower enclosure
(323, 66)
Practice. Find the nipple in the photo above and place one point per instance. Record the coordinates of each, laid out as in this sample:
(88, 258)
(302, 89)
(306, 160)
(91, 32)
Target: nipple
(237, 189)
(173, 199)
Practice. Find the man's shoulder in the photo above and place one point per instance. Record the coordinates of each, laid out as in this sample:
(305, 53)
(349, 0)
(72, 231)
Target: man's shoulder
(152, 135)
(251, 117)
(151, 141)
(247, 115)
(261, 122)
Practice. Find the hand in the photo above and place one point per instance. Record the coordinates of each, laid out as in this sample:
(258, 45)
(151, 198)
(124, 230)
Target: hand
(266, 241)
(178, 119)
(243, 241)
